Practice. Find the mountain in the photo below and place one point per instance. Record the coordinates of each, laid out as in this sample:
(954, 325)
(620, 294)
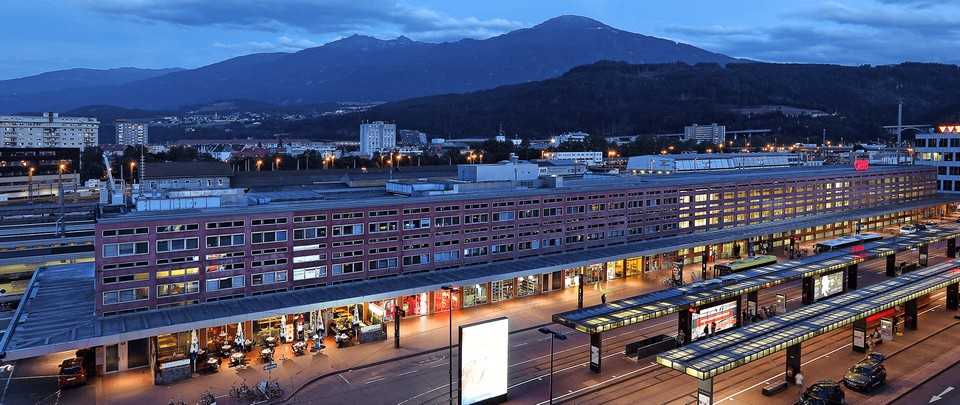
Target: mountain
(360, 68)
(616, 98)
(76, 78)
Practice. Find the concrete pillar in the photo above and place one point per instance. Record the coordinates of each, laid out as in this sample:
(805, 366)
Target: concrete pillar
(705, 391)
(851, 277)
(952, 248)
(596, 346)
(807, 290)
(793, 363)
(953, 296)
(860, 336)
(684, 325)
(923, 255)
(892, 265)
(910, 311)
(752, 299)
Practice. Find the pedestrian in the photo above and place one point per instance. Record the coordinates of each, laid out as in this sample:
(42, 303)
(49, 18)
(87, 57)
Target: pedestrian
(798, 380)
(356, 327)
(713, 329)
(603, 299)
(680, 337)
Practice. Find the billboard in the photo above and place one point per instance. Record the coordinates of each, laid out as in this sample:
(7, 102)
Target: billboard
(827, 285)
(710, 320)
(483, 362)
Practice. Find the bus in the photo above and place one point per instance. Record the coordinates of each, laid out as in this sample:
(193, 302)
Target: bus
(845, 242)
(743, 264)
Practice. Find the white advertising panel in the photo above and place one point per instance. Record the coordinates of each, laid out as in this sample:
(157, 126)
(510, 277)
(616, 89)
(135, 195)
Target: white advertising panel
(713, 319)
(483, 362)
(827, 285)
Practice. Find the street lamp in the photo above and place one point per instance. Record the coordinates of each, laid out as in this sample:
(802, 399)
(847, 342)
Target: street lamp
(259, 163)
(278, 164)
(30, 186)
(554, 336)
(132, 165)
(452, 290)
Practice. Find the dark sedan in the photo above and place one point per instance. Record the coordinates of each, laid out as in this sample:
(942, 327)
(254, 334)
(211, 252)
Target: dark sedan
(865, 375)
(823, 392)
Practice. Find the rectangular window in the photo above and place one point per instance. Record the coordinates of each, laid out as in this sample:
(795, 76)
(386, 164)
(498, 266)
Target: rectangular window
(528, 245)
(383, 264)
(177, 228)
(504, 248)
(576, 209)
(347, 268)
(310, 218)
(218, 241)
(268, 221)
(552, 212)
(504, 216)
(309, 273)
(124, 232)
(269, 236)
(474, 252)
(226, 267)
(531, 213)
(416, 259)
(224, 224)
(476, 218)
(269, 262)
(309, 258)
(125, 249)
(347, 215)
(126, 278)
(167, 290)
(310, 233)
(128, 295)
(225, 255)
(476, 206)
(268, 278)
(178, 272)
(384, 213)
(380, 227)
(409, 224)
(446, 256)
(347, 230)
(422, 210)
(447, 221)
(177, 245)
(225, 283)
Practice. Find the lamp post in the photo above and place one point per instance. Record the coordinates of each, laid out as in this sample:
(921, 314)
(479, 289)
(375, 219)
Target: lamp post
(452, 290)
(553, 336)
(30, 186)
(132, 165)
(259, 163)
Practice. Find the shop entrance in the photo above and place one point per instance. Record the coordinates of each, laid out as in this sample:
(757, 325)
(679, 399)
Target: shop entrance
(138, 353)
(111, 362)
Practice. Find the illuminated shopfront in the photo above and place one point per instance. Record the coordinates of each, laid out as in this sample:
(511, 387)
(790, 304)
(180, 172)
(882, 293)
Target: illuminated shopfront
(475, 294)
(441, 301)
(528, 285)
(502, 290)
(416, 305)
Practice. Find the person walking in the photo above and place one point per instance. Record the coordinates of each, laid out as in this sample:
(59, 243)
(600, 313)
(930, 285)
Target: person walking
(798, 380)
(603, 299)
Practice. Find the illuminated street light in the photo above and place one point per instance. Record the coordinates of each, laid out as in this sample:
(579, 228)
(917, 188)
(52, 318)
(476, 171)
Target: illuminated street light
(259, 163)
(553, 336)
(452, 290)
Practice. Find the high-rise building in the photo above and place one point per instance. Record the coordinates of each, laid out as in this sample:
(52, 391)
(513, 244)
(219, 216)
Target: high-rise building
(131, 133)
(712, 133)
(48, 131)
(377, 137)
(941, 148)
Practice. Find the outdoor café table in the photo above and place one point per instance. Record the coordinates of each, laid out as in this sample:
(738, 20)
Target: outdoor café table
(213, 363)
(270, 340)
(236, 359)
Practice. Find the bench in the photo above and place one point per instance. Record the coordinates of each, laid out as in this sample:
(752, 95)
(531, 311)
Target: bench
(774, 389)
(649, 346)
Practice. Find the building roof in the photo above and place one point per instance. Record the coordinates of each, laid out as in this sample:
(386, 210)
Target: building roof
(58, 308)
(169, 170)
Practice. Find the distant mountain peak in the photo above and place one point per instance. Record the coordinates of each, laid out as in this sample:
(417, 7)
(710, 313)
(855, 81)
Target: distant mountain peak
(572, 21)
(364, 42)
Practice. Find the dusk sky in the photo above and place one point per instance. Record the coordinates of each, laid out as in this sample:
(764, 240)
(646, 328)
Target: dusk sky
(44, 35)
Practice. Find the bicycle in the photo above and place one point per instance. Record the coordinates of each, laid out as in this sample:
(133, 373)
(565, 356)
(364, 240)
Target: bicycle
(207, 398)
(180, 402)
(270, 389)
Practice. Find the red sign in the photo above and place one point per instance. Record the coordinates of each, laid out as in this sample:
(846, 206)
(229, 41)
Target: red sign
(861, 164)
(949, 128)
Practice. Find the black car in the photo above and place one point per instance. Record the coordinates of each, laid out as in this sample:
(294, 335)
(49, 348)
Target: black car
(866, 374)
(823, 392)
(920, 227)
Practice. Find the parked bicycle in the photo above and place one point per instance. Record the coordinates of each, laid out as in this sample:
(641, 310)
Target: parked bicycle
(243, 392)
(207, 398)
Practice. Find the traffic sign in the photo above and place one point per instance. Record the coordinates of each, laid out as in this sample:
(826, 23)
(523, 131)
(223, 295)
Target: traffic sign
(270, 366)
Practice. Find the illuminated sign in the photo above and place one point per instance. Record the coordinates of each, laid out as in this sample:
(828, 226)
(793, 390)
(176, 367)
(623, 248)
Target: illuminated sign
(949, 128)
(483, 362)
(861, 164)
(827, 285)
(711, 320)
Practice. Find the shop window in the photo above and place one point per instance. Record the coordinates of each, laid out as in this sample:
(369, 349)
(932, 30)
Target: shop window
(475, 294)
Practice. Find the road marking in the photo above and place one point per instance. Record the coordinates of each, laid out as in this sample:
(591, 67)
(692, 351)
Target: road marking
(373, 381)
(601, 382)
(939, 397)
(521, 344)
(409, 372)
(780, 375)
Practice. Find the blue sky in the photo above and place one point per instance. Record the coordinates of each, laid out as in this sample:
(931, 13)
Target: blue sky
(45, 35)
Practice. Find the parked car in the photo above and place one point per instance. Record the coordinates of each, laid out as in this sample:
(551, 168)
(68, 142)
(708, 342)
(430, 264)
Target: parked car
(823, 392)
(931, 225)
(866, 374)
(72, 372)
(908, 229)
(920, 227)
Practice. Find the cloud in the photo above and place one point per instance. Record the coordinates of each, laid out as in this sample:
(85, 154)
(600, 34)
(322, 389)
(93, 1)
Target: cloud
(318, 17)
(282, 44)
(829, 32)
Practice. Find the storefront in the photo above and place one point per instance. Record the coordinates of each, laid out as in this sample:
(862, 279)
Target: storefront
(172, 362)
(442, 300)
(614, 270)
(266, 328)
(528, 285)
(502, 290)
(475, 294)
(633, 266)
(387, 306)
(593, 273)
(571, 277)
(416, 305)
